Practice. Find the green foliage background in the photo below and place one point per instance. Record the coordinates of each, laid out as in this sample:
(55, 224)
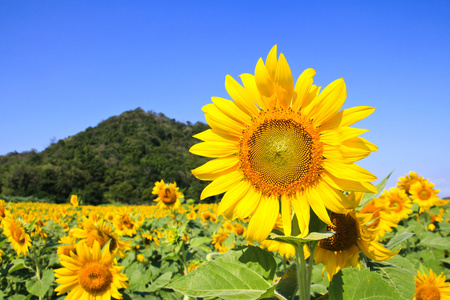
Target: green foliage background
(117, 161)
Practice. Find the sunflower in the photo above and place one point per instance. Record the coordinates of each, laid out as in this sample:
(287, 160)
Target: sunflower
(69, 245)
(399, 202)
(102, 233)
(90, 274)
(124, 224)
(74, 200)
(341, 250)
(279, 145)
(219, 240)
(15, 231)
(430, 287)
(168, 195)
(381, 219)
(406, 181)
(423, 194)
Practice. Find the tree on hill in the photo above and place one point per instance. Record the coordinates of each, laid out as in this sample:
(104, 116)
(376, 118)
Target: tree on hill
(118, 160)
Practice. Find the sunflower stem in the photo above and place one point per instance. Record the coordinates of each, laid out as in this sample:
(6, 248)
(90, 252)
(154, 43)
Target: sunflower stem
(303, 282)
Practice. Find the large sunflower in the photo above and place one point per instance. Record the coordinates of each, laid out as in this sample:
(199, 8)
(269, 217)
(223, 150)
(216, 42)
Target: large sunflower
(430, 287)
(282, 145)
(90, 274)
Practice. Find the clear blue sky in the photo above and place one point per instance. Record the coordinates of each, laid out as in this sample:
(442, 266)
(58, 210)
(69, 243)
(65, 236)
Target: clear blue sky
(68, 65)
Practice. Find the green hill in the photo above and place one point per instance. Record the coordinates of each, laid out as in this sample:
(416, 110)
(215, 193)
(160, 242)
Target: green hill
(118, 160)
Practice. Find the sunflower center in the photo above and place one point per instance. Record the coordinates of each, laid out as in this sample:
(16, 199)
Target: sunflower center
(397, 204)
(280, 153)
(346, 233)
(127, 222)
(424, 195)
(168, 196)
(428, 292)
(95, 277)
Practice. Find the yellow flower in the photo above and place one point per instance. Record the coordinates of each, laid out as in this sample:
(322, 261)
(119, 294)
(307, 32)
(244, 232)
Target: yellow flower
(430, 287)
(14, 230)
(90, 274)
(101, 233)
(406, 181)
(219, 239)
(125, 225)
(399, 202)
(381, 218)
(423, 194)
(67, 247)
(239, 230)
(351, 235)
(280, 143)
(74, 200)
(168, 195)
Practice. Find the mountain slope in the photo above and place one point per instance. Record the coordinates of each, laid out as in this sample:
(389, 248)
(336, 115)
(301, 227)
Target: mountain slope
(118, 160)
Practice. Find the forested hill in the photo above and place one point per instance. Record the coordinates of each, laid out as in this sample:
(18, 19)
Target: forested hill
(119, 160)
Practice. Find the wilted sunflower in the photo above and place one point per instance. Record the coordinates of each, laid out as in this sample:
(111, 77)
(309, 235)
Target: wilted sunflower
(430, 287)
(168, 195)
(277, 142)
(90, 274)
(15, 231)
(351, 235)
(423, 193)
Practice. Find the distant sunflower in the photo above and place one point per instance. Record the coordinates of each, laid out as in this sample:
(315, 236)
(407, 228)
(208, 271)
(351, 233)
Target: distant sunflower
(381, 219)
(280, 143)
(424, 194)
(430, 287)
(125, 224)
(351, 235)
(102, 233)
(74, 200)
(90, 274)
(168, 195)
(219, 240)
(406, 181)
(399, 202)
(15, 231)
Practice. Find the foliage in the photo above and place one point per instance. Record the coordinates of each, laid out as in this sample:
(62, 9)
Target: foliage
(117, 161)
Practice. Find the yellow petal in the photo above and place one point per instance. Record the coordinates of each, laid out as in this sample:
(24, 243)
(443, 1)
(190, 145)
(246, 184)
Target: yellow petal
(286, 215)
(284, 84)
(231, 110)
(329, 102)
(348, 185)
(233, 196)
(333, 199)
(218, 120)
(338, 136)
(214, 149)
(375, 251)
(221, 184)
(271, 62)
(247, 205)
(264, 84)
(348, 171)
(348, 117)
(216, 168)
(302, 212)
(302, 88)
(315, 201)
(211, 136)
(240, 96)
(250, 85)
(263, 220)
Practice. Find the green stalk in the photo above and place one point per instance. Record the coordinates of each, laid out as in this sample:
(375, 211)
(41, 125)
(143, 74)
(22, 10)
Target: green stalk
(302, 278)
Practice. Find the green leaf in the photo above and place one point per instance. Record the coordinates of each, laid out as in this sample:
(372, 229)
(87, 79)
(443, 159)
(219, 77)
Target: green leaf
(139, 280)
(336, 290)
(370, 196)
(293, 240)
(17, 265)
(435, 241)
(287, 286)
(398, 238)
(364, 284)
(238, 274)
(160, 282)
(399, 272)
(40, 287)
(196, 242)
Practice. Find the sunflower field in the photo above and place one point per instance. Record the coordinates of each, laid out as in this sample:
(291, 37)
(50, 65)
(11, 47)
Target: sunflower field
(72, 251)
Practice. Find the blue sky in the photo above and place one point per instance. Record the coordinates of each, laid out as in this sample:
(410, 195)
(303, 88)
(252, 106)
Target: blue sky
(68, 65)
